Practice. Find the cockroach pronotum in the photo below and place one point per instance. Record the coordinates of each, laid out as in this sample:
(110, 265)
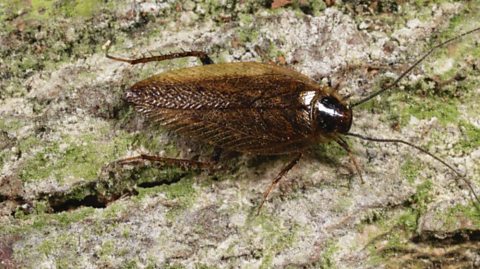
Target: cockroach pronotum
(252, 108)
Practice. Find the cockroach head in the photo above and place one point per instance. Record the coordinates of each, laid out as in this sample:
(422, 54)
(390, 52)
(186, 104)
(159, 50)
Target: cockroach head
(331, 115)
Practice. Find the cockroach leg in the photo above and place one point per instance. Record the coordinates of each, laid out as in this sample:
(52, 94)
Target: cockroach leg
(184, 163)
(280, 175)
(203, 56)
(345, 146)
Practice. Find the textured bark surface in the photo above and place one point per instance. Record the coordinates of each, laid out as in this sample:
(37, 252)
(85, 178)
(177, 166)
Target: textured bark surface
(63, 120)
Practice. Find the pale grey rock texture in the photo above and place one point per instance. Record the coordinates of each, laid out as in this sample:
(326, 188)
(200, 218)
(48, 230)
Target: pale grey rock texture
(63, 121)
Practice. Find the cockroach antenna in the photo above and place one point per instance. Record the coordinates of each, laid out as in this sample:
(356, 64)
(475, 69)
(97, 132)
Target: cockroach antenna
(398, 141)
(417, 62)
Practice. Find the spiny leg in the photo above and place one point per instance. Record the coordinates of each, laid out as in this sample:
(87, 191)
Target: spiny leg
(184, 163)
(345, 146)
(203, 56)
(275, 181)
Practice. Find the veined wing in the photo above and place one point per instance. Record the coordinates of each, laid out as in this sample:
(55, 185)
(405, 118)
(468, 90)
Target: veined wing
(248, 107)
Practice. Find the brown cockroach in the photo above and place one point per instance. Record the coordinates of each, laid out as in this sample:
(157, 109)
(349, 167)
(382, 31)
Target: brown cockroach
(253, 108)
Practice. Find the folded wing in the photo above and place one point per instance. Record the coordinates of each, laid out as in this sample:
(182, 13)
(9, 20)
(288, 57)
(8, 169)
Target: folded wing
(246, 107)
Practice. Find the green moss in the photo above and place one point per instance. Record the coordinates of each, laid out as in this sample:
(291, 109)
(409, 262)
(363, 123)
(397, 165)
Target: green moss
(77, 157)
(401, 106)
(204, 266)
(394, 236)
(126, 232)
(41, 8)
(65, 263)
(132, 264)
(375, 259)
(328, 151)
(408, 220)
(46, 9)
(342, 204)
(270, 52)
(58, 246)
(247, 35)
(39, 166)
(79, 192)
(425, 99)
(458, 24)
(410, 169)
(4, 155)
(182, 193)
(69, 217)
(151, 141)
(396, 242)
(151, 263)
(41, 220)
(224, 8)
(327, 260)
(317, 6)
(174, 266)
(417, 9)
(246, 19)
(461, 214)
(47, 24)
(86, 8)
(247, 31)
(394, 231)
(470, 139)
(446, 111)
(108, 248)
(165, 175)
(10, 125)
(46, 247)
(276, 237)
(423, 196)
(40, 207)
(29, 143)
(113, 211)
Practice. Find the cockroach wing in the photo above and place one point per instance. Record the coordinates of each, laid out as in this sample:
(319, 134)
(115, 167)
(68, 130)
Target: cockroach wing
(246, 107)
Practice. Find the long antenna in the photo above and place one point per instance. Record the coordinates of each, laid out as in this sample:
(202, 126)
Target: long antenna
(422, 150)
(389, 86)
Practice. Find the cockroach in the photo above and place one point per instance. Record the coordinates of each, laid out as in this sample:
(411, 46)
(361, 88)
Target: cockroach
(253, 108)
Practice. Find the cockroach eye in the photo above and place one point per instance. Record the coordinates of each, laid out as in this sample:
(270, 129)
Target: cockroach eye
(332, 115)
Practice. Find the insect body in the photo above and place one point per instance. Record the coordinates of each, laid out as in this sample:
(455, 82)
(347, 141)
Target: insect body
(253, 108)
(246, 107)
